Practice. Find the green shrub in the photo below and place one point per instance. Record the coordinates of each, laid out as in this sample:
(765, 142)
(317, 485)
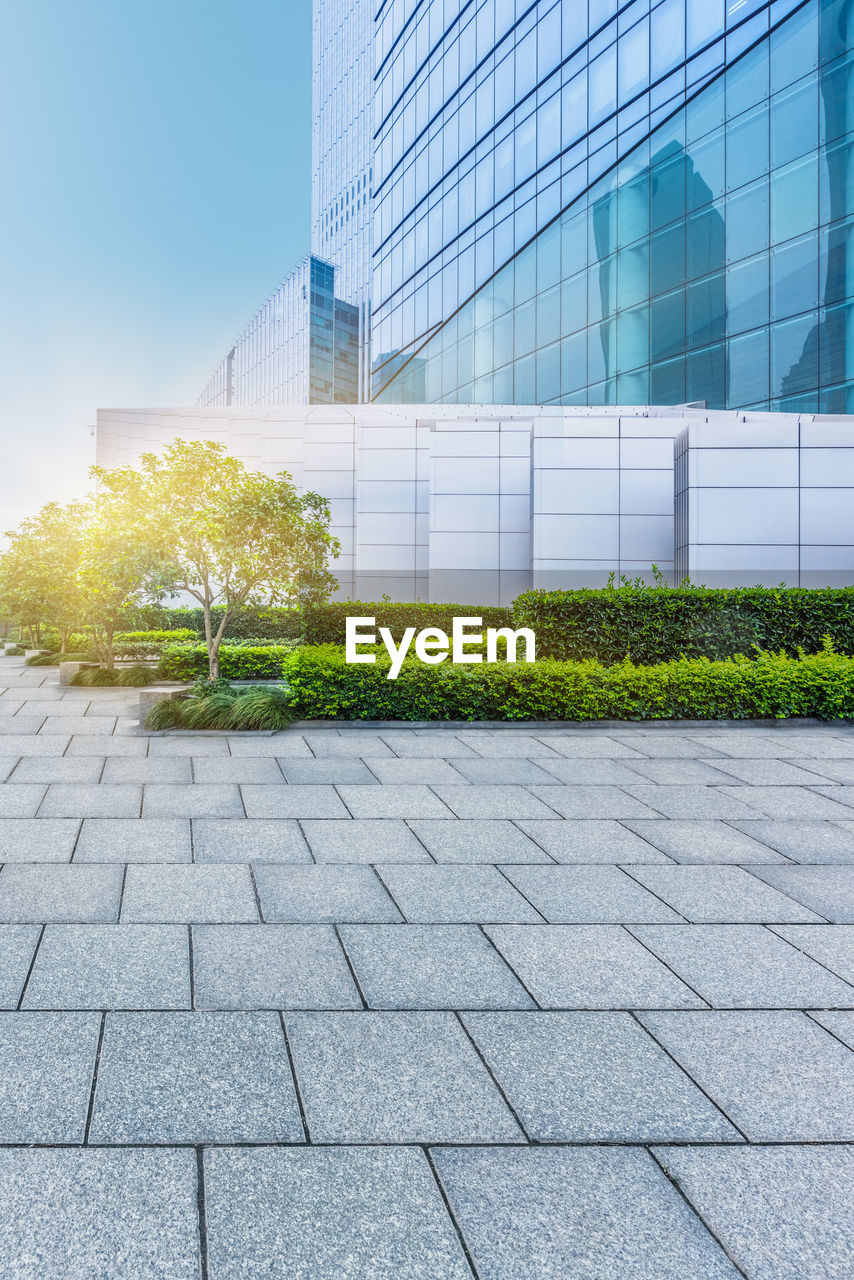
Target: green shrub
(145, 644)
(122, 677)
(769, 686)
(325, 623)
(236, 662)
(14, 651)
(219, 707)
(659, 623)
(278, 623)
(54, 659)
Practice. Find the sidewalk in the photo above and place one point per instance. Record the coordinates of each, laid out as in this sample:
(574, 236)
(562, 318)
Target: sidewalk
(388, 1004)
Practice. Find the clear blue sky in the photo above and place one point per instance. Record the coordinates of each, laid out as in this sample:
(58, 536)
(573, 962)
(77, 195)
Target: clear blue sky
(155, 178)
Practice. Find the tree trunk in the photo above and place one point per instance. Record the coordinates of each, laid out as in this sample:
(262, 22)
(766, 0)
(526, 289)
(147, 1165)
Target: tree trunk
(108, 650)
(213, 650)
(213, 646)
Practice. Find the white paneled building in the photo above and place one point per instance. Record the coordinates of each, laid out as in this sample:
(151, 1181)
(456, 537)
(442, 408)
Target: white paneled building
(474, 504)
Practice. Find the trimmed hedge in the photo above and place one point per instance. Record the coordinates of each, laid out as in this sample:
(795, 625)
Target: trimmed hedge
(659, 623)
(144, 644)
(236, 662)
(768, 686)
(277, 623)
(325, 624)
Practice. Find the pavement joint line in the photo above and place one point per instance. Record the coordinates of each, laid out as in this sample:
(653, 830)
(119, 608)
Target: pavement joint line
(773, 929)
(191, 959)
(626, 869)
(20, 1004)
(255, 892)
(634, 1015)
(297, 1087)
(508, 963)
(572, 1144)
(677, 1186)
(202, 1212)
(499, 867)
(633, 1010)
(810, 1013)
(629, 930)
(350, 966)
(534, 1142)
(94, 1084)
(408, 824)
(122, 893)
(428, 1156)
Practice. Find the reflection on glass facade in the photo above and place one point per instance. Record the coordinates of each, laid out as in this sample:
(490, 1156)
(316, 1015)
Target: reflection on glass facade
(300, 347)
(342, 155)
(702, 159)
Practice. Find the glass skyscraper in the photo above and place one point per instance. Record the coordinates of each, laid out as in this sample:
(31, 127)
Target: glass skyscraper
(594, 204)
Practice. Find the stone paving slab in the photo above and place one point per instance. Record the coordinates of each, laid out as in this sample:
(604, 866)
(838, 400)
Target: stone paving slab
(38, 839)
(111, 966)
(588, 895)
(126, 840)
(190, 895)
(831, 945)
(596, 966)
(45, 769)
(23, 801)
(146, 769)
(46, 1065)
(328, 894)
(827, 890)
(782, 1213)
(798, 803)
(839, 1023)
(593, 1077)
(248, 840)
(816, 841)
(456, 895)
(436, 966)
(47, 894)
(720, 895)
(194, 1077)
(329, 770)
(165, 800)
(478, 840)
(576, 1214)
(76, 800)
(777, 1075)
(298, 801)
(278, 966)
(17, 947)
(475, 801)
(591, 802)
(80, 1214)
(366, 840)
(347, 1213)
(592, 840)
(705, 840)
(394, 1077)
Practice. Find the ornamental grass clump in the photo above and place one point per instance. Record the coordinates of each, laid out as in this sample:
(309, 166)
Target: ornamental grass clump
(54, 659)
(218, 705)
(135, 677)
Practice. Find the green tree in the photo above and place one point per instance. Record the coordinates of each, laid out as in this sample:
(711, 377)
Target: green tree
(226, 536)
(39, 584)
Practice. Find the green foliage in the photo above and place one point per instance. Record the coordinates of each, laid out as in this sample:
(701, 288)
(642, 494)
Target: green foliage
(768, 686)
(221, 707)
(325, 624)
(14, 651)
(659, 623)
(39, 583)
(145, 644)
(135, 677)
(236, 662)
(54, 659)
(275, 623)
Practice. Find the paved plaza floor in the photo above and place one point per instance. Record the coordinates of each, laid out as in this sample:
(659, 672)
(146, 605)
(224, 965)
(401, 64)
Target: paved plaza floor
(391, 1004)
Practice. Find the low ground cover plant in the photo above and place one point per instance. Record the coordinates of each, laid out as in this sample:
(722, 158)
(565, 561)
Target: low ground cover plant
(110, 677)
(236, 662)
(215, 704)
(54, 659)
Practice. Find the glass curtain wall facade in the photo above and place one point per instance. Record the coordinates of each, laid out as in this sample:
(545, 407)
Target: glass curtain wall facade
(342, 155)
(647, 204)
(300, 347)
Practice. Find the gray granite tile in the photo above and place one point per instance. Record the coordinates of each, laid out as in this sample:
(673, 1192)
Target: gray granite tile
(82, 726)
(328, 894)
(328, 742)
(838, 1023)
(777, 1075)
(165, 800)
(111, 966)
(830, 945)
(456, 895)
(110, 746)
(287, 745)
(46, 1065)
(45, 769)
(543, 1213)
(37, 839)
(248, 840)
(364, 840)
(190, 744)
(788, 802)
(24, 743)
(581, 772)
(744, 966)
(347, 1213)
(591, 802)
(216, 770)
(667, 745)
(22, 801)
(725, 895)
(816, 841)
(677, 773)
(194, 1077)
(330, 769)
(394, 1077)
(134, 840)
(72, 800)
(588, 895)
(840, 794)
(689, 802)
(593, 1077)
(767, 773)
(782, 1213)
(505, 771)
(434, 966)
(416, 771)
(590, 967)
(278, 966)
(17, 946)
(427, 744)
(483, 802)
(146, 769)
(829, 891)
(506, 744)
(10, 727)
(829, 770)
(321, 801)
(591, 840)
(704, 840)
(188, 895)
(589, 746)
(478, 840)
(81, 1214)
(392, 801)
(47, 894)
